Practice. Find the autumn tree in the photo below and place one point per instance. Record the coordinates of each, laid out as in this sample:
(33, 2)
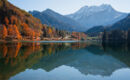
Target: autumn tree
(13, 20)
(13, 32)
(29, 32)
(6, 21)
(33, 35)
(3, 32)
(26, 30)
(37, 34)
(17, 33)
(50, 31)
(10, 30)
(54, 32)
(76, 35)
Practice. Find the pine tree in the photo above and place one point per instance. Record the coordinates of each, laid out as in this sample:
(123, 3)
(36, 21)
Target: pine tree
(104, 38)
(128, 37)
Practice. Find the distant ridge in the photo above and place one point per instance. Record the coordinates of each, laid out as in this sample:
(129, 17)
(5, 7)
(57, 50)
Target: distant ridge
(123, 24)
(57, 20)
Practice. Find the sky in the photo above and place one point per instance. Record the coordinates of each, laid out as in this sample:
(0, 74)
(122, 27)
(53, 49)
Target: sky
(69, 6)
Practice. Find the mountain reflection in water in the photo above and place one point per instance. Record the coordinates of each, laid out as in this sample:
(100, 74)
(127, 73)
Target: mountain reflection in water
(64, 61)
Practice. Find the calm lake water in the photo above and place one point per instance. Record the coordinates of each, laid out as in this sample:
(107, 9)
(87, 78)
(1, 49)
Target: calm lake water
(64, 61)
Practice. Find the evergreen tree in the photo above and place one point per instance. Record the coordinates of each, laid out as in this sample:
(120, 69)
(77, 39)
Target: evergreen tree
(128, 37)
(104, 38)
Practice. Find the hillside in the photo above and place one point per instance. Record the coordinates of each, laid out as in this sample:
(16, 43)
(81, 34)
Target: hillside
(95, 31)
(57, 20)
(102, 15)
(16, 23)
(123, 24)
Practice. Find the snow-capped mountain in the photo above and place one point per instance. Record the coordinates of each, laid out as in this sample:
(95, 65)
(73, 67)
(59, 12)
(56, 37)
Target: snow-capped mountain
(90, 16)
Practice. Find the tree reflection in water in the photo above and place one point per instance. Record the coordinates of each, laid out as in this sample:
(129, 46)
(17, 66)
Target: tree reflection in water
(16, 57)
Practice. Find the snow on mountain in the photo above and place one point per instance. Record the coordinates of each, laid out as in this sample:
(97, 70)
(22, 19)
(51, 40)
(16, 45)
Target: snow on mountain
(90, 16)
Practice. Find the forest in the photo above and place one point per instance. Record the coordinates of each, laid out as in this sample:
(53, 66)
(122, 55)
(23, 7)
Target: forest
(116, 36)
(17, 24)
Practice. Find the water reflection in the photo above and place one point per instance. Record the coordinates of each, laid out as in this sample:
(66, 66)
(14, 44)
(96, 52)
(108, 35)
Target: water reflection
(69, 73)
(64, 61)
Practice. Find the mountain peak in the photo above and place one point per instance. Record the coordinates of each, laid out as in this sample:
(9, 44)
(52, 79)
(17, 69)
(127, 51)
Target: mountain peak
(97, 15)
(106, 5)
(85, 7)
(48, 10)
(96, 8)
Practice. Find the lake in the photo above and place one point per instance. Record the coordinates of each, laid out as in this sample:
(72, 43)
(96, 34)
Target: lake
(64, 61)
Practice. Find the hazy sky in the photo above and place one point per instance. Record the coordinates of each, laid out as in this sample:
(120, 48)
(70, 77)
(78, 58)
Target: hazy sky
(69, 6)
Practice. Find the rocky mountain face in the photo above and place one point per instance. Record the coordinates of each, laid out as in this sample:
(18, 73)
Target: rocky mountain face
(97, 16)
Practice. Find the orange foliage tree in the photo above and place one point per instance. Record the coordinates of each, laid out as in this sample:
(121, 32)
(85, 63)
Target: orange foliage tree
(3, 32)
(33, 34)
(26, 30)
(6, 21)
(17, 33)
(10, 30)
(13, 20)
(37, 34)
(13, 32)
(76, 35)
(29, 32)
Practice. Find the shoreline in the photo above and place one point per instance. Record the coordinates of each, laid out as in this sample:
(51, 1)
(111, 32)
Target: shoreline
(44, 41)
(50, 41)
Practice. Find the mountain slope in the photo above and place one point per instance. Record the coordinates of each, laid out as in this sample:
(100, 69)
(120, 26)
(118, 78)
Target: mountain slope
(97, 15)
(61, 22)
(94, 31)
(17, 23)
(123, 24)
